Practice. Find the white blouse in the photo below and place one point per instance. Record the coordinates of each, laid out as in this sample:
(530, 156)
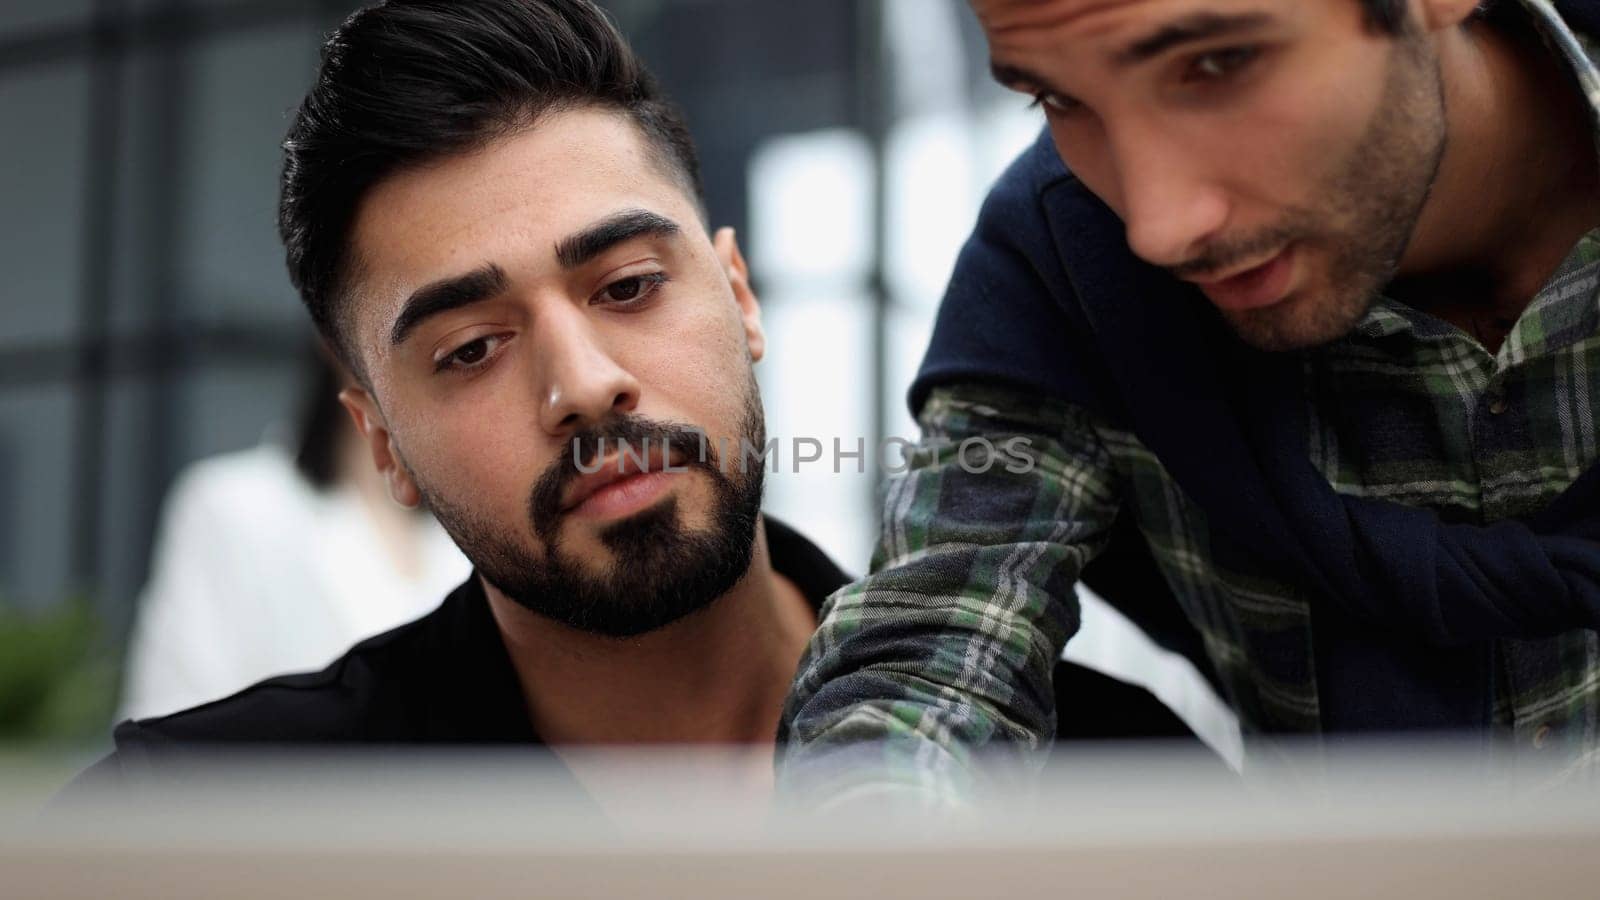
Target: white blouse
(257, 573)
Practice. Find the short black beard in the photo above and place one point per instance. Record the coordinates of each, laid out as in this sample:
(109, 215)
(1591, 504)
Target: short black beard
(663, 572)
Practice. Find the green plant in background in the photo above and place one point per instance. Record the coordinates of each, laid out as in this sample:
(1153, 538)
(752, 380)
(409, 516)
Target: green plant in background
(58, 677)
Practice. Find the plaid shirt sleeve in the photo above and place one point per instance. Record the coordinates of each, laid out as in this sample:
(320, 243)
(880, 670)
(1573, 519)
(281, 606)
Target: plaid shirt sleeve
(947, 649)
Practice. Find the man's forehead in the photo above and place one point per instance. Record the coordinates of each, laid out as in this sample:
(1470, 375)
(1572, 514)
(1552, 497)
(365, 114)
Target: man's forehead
(556, 166)
(533, 186)
(1030, 42)
(1020, 18)
(1004, 16)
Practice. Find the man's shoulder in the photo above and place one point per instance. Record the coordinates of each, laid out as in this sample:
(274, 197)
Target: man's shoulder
(1018, 192)
(1036, 169)
(357, 698)
(1011, 314)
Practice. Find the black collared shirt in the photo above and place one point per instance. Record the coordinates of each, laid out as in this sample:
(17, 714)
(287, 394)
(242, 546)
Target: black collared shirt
(447, 679)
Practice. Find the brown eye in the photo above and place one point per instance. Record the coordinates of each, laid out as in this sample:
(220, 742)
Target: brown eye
(471, 353)
(1049, 100)
(471, 356)
(624, 290)
(628, 291)
(1220, 64)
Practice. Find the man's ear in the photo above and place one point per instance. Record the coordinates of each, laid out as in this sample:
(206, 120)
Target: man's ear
(727, 247)
(364, 412)
(1439, 15)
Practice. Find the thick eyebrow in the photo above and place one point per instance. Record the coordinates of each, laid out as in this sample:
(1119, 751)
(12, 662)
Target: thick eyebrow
(575, 250)
(1187, 30)
(446, 294)
(487, 281)
(1016, 76)
(1012, 76)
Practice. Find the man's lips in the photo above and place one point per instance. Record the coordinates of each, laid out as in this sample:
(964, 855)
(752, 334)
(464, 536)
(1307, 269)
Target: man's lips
(621, 475)
(1251, 287)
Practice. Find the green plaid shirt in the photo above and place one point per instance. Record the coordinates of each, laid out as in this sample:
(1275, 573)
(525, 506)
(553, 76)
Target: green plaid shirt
(1406, 408)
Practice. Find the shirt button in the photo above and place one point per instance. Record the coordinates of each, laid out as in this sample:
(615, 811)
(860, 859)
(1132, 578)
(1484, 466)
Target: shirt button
(1497, 404)
(1541, 736)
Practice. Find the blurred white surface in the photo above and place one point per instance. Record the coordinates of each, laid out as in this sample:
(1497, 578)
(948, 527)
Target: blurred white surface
(1402, 821)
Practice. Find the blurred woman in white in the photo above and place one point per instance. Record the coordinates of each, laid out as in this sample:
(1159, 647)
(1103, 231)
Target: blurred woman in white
(276, 559)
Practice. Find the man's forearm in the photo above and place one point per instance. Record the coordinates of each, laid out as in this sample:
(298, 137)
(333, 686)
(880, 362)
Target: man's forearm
(947, 650)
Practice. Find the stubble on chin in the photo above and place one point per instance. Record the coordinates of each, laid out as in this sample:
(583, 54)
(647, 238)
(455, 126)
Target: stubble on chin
(1305, 319)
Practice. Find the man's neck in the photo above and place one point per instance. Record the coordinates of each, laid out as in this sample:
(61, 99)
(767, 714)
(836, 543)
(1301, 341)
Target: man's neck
(1518, 185)
(717, 676)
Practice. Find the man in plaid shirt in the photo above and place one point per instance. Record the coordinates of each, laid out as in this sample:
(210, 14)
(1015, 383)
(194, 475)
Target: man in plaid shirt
(1311, 315)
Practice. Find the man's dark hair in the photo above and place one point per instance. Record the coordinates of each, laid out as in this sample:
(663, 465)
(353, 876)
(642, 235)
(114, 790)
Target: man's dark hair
(1386, 15)
(406, 82)
(1390, 15)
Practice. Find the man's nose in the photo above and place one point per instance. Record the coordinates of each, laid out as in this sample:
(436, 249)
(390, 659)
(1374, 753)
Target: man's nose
(1171, 208)
(581, 381)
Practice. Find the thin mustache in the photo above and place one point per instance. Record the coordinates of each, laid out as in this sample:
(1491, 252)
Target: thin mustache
(587, 445)
(1221, 258)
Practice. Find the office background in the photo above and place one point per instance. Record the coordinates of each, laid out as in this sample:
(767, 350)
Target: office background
(146, 320)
